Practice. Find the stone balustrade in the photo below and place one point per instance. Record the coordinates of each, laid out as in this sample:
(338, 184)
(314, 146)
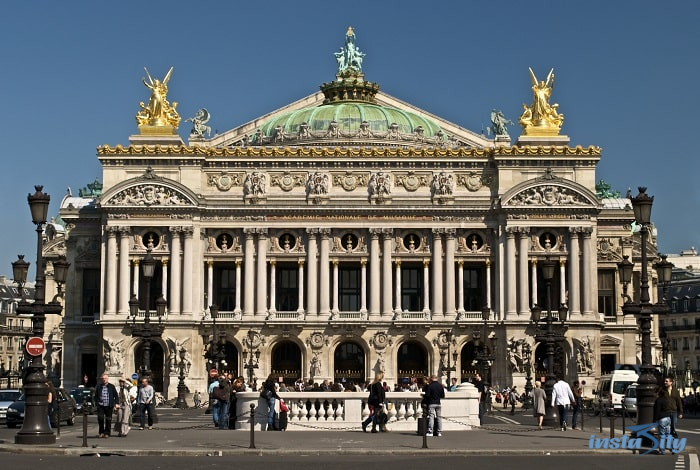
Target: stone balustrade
(322, 411)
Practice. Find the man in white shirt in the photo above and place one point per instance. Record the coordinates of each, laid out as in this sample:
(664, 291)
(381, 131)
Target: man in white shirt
(562, 396)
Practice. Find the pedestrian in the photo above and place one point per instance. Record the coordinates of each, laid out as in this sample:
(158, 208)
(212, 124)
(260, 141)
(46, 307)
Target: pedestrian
(53, 402)
(375, 401)
(269, 394)
(562, 397)
(215, 407)
(434, 393)
(577, 403)
(479, 384)
(197, 398)
(513, 399)
(124, 410)
(672, 403)
(538, 403)
(663, 416)
(144, 400)
(222, 394)
(107, 400)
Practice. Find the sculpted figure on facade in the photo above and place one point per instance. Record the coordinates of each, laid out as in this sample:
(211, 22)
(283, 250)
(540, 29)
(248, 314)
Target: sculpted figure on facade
(199, 123)
(315, 366)
(114, 355)
(158, 111)
(585, 357)
(255, 184)
(317, 184)
(541, 118)
(499, 122)
(379, 185)
(514, 354)
(442, 184)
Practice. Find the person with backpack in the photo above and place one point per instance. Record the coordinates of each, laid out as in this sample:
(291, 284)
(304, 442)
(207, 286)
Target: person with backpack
(375, 402)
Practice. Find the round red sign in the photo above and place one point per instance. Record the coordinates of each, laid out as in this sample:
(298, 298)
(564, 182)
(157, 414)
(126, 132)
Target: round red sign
(35, 346)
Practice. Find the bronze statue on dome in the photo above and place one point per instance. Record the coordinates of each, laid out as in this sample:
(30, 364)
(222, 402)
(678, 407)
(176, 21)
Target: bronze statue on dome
(159, 112)
(541, 118)
(350, 56)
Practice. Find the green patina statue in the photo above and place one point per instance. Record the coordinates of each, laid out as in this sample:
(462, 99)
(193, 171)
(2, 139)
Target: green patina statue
(349, 56)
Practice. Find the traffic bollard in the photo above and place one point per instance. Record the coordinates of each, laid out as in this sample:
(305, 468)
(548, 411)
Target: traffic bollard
(85, 423)
(424, 427)
(252, 426)
(612, 426)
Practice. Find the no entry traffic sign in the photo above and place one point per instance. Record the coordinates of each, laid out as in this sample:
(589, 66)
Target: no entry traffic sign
(35, 346)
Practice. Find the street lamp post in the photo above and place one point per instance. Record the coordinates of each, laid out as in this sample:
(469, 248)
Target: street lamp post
(251, 361)
(146, 331)
(549, 334)
(35, 428)
(527, 358)
(213, 355)
(445, 365)
(644, 309)
(484, 352)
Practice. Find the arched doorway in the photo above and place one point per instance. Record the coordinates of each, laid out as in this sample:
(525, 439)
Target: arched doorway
(541, 361)
(349, 363)
(286, 362)
(411, 361)
(157, 363)
(229, 364)
(469, 363)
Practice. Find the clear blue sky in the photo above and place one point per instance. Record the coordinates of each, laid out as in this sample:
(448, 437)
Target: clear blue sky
(627, 80)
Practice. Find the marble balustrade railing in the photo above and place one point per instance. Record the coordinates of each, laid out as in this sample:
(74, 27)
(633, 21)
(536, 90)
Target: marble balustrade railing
(310, 411)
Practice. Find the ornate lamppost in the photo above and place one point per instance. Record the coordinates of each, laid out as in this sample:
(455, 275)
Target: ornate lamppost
(445, 365)
(35, 428)
(549, 334)
(251, 361)
(485, 352)
(644, 309)
(181, 401)
(527, 360)
(146, 331)
(214, 355)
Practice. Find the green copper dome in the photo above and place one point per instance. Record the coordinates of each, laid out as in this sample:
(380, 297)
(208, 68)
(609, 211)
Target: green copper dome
(349, 117)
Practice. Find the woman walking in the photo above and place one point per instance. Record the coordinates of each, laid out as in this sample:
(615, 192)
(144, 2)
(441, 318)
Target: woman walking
(375, 401)
(538, 397)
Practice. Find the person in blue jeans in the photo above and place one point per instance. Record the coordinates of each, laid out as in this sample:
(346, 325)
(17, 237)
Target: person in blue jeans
(434, 393)
(268, 389)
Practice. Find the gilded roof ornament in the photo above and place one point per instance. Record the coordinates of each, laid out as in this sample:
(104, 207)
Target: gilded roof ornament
(158, 117)
(541, 119)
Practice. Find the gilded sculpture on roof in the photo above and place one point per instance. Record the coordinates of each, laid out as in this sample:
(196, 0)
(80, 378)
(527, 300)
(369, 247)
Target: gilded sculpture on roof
(541, 119)
(158, 116)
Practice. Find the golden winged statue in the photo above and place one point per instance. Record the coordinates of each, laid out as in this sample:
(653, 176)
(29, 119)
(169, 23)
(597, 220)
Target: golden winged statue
(541, 118)
(158, 112)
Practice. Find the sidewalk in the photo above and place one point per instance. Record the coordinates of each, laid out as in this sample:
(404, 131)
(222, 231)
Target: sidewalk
(191, 433)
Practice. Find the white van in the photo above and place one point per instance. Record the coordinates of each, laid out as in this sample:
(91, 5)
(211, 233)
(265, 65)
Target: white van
(611, 391)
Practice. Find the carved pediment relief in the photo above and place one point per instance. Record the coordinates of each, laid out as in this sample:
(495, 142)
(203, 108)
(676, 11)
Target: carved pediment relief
(149, 195)
(547, 195)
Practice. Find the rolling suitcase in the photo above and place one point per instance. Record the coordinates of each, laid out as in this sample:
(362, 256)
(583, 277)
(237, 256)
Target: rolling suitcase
(281, 421)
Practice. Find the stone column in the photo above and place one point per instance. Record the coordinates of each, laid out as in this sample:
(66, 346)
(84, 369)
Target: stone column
(437, 272)
(324, 273)
(187, 272)
(450, 247)
(587, 285)
(210, 284)
(562, 281)
(300, 308)
(511, 278)
(397, 288)
(261, 274)
(249, 267)
(574, 270)
(273, 286)
(135, 269)
(312, 262)
(387, 281)
(374, 272)
(488, 283)
(523, 281)
(164, 285)
(426, 286)
(534, 283)
(336, 287)
(112, 269)
(124, 274)
(176, 271)
(363, 287)
(460, 288)
(237, 309)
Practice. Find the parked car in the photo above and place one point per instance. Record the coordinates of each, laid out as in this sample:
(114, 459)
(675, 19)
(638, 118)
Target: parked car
(630, 400)
(6, 399)
(611, 390)
(84, 397)
(68, 410)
